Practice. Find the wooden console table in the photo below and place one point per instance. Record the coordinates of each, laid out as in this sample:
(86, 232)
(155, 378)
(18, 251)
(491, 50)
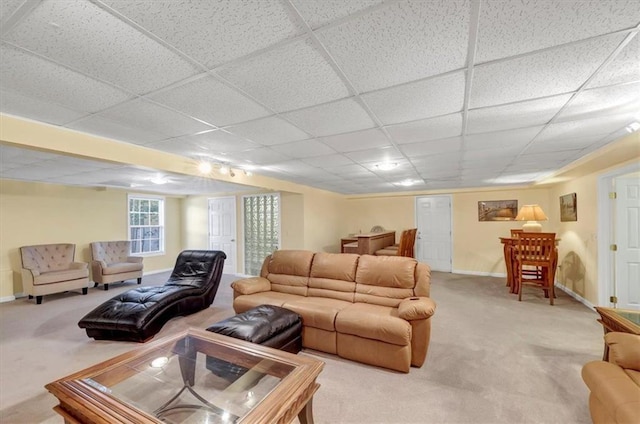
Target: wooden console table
(367, 244)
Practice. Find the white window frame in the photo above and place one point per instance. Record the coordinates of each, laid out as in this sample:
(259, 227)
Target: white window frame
(161, 224)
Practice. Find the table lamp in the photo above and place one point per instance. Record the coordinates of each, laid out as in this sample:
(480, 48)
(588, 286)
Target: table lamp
(531, 214)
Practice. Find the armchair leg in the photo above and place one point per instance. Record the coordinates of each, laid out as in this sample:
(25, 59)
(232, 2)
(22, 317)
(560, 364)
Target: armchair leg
(38, 300)
(85, 290)
(139, 280)
(95, 284)
(30, 297)
(106, 287)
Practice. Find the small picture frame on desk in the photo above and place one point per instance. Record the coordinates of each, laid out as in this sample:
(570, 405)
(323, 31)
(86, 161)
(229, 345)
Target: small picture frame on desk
(569, 207)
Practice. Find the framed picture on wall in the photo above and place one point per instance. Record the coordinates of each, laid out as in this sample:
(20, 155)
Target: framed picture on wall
(497, 210)
(568, 207)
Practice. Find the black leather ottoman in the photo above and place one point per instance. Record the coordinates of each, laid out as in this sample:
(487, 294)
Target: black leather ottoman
(266, 325)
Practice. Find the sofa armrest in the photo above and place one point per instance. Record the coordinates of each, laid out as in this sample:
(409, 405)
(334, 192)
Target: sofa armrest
(413, 308)
(135, 259)
(615, 390)
(251, 285)
(78, 265)
(33, 272)
(624, 349)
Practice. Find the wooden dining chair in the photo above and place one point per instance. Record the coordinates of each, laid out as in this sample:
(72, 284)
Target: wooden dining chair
(404, 248)
(535, 262)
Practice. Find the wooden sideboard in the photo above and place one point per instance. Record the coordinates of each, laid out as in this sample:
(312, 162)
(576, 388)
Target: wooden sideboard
(367, 244)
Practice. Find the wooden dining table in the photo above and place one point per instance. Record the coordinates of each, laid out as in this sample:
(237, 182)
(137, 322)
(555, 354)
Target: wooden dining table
(509, 250)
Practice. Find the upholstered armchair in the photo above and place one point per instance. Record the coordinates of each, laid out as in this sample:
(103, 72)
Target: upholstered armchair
(110, 263)
(50, 268)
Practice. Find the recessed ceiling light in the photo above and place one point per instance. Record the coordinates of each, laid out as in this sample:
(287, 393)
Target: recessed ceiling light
(386, 166)
(634, 126)
(407, 183)
(224, 169)
(159, 180)
(204, 167)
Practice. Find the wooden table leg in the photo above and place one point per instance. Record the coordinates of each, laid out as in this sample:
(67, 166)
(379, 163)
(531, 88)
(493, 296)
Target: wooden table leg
(306, 414)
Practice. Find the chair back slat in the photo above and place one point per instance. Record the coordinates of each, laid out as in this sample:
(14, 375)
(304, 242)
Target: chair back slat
(407, 242)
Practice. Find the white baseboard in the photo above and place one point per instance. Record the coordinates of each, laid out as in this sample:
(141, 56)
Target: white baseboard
(7, 299)
(576, 296)
(482, 274)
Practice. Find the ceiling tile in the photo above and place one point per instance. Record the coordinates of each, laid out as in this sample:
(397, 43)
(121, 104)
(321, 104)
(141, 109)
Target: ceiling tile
(287, 78)
(400, 43)
(487, 163)
(328, 161)
(508, 28)
(84, 37)
(509, 139)
(39, 79)
(303, 149)
(15, 155)
(321, 12)
(8, 7)
(350, 171)
(603, 125)
(506, 155)
(556, 71)
(210, 145)
(297, 167)
(331, 118)
(625, 67)
(563, 143)
(211, 101)
(358, 140)
(425, 148)
(149, 116)
(268, 131)
(427, 129)
(544, 157)
(615, 100)
(104, 127)
(264, 155)
(418, 100)
(383, 154)
(233, 28)
(515, 115)
(41, 110)
(439, 161)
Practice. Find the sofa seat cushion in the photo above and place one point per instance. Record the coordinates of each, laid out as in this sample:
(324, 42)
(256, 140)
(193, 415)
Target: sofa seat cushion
(245, 302)
(614, 389)
(120, 267)
(374, 322)
(58, 276)
(634, 376)
(318, 312)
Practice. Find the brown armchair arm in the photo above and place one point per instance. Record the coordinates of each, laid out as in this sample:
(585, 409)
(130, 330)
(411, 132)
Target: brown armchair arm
(251, 285)
(413, 308)
(624, 349)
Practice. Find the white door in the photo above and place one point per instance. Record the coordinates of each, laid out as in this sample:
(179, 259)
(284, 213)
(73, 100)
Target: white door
(222, 229)
(627, 236)
(433, 241)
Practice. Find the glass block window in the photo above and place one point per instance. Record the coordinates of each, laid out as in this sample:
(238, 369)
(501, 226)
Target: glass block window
(261, 229)
(146, 224)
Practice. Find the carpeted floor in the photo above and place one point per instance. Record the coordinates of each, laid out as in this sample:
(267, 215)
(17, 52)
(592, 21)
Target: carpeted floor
(491, 358)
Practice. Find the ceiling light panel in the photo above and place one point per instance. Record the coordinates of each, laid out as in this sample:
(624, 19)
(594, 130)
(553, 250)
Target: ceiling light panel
(331, 118)
(358, 140)
(87, 38)
(321, 12)
(427, 129)
(41, 110)
(625, 67)
(287, 78)
(149, 116)
(269, 131)
(615, 100)
(211, 101)
(418, 100)
(551, 72)
(304, 149)
(235, 28)
(515, 115)
(45, 81)
(508, 28)
(400, 43)
(104, 127)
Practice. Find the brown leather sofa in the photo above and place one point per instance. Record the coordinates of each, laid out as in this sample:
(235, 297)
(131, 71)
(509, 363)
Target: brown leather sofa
(370, 309)
(615, 385)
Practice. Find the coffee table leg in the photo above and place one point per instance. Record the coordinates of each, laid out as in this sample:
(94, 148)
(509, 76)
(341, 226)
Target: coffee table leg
(306, 414)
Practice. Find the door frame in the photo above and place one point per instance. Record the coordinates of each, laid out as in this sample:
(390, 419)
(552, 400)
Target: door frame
(606, 260)
(235, 229)
(415, 213)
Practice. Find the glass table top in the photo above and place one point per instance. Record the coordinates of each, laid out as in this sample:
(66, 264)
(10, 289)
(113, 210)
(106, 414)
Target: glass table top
(192, 380)
(633, 316)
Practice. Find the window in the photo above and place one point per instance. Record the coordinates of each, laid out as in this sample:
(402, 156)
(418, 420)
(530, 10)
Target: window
(146, 224)
(261, 229)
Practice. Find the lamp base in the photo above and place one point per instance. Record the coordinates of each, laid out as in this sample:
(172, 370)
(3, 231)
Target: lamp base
(532, 227)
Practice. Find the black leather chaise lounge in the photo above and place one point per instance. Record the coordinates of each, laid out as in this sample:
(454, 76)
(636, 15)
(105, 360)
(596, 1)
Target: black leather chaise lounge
(138, 314)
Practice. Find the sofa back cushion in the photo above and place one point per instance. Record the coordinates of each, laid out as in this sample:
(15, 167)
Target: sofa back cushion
(333, 276)
(111, 252)
(48, 257)
(288, 271)
(385, 280)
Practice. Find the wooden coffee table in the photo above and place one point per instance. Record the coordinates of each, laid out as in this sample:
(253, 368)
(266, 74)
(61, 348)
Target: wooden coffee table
(621, 320)
(167, 381)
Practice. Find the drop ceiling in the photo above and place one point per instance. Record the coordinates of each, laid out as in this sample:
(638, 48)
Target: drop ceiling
(456, 94)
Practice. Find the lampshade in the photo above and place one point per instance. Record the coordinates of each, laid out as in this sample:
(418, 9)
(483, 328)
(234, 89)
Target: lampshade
(531, 214)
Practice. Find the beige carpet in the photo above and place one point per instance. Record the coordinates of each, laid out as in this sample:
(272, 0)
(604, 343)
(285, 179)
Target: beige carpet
(491, 358)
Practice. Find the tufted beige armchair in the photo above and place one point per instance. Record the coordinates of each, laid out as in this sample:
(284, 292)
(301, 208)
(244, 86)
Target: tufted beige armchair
(49, 268)
(110, 262)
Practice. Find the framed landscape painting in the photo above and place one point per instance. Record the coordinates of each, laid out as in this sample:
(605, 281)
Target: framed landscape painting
(497, 210)
(568, 207)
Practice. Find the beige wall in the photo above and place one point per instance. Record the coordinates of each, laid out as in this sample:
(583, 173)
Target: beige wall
(36, 213)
